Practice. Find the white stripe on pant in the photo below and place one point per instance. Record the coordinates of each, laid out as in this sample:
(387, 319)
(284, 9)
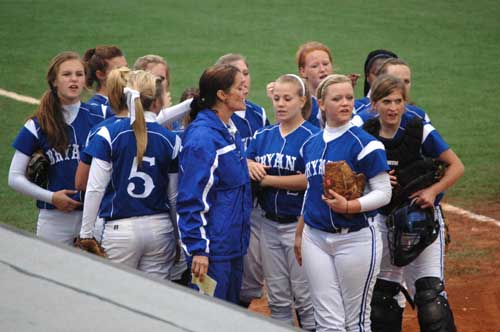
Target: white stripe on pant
(341, 270)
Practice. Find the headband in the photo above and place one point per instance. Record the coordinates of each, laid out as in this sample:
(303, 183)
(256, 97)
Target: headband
(322, 84)
(132, 95)
(303, 86)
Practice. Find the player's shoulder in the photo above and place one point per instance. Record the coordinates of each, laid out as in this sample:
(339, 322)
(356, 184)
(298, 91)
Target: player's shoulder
(32, 125)
(310, 128)
(416, 111)
(361, 136)
(93, 111)
(314, 140)
(253, 107)
(267, 130)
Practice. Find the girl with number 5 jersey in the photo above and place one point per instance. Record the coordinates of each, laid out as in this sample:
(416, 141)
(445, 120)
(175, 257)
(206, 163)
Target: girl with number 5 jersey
(134, 166)
(339, 245)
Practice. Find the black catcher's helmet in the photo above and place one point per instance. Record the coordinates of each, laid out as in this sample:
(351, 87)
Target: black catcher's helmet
(410, 230)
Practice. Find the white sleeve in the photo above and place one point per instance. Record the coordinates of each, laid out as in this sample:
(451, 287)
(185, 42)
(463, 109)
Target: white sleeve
(173, 179)
(320, 119)
(379, 194)
(357, 121)
(99, 178)
(20, 183)
(264, 117)
(169, 115)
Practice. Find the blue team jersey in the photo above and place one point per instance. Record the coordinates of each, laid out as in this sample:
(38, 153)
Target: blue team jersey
(215, 199)
(84, 156)
(361, 151)
(314, 117)
(360, 104)
(63, 166)
(255, 118)
(136, 190)
(102, 102)
(281, 154)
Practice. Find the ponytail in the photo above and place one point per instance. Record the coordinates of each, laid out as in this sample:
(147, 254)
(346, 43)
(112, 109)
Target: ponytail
(51, 121)
(115, 83)
(135, 91)
(140, 132)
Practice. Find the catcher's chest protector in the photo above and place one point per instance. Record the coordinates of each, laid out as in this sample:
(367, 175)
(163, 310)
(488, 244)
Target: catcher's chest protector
(404, 150)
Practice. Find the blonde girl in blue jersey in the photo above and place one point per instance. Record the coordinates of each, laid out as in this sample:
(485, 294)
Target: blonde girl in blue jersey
(133, 178)
(59, 129)
(336, 240)
(274, 162)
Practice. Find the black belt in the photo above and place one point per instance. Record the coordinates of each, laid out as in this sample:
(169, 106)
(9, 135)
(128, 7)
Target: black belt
(343, 230)
(280, 219)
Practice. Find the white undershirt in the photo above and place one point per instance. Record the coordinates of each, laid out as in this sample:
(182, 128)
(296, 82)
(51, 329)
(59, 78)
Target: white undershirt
(378, 190)
(169, 115)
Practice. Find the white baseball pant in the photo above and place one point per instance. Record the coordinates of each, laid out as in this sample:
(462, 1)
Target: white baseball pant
(341, 270)
(253, 277)
(285, 278)
(430, 262)
(59, 226)
(146, 243)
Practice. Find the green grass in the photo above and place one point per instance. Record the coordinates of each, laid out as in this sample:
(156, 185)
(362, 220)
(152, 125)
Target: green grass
(453, 48)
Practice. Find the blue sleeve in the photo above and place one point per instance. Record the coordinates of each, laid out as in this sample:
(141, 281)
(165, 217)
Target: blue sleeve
(433, 144)
(174, 164)
(251, 150)
(98, 148)
(25, 141)
(85, 157)
(196, 179)
(372, 159)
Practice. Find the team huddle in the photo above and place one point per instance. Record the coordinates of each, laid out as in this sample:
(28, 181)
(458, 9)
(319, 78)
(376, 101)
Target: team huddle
(209, 187)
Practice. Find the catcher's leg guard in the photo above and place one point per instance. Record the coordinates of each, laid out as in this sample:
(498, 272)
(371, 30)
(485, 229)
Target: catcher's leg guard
(434, 312)
(386, 314)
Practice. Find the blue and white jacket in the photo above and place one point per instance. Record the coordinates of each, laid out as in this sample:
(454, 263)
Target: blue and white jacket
(215, 199)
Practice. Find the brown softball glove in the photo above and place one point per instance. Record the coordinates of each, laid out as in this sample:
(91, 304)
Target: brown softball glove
(38, 169)
(90, 245)
(340, 178)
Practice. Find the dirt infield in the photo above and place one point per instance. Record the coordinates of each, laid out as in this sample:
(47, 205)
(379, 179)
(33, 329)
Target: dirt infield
(472, 274)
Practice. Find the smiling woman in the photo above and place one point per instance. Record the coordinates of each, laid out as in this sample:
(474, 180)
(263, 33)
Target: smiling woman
(59, 129)
(214, 201)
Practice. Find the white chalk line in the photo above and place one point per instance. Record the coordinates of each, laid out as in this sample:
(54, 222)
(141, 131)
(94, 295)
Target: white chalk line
(447, 207)
(18, 97)
(471, 215)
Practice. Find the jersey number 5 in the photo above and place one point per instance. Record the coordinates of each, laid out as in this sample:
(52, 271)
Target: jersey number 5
(148, 181)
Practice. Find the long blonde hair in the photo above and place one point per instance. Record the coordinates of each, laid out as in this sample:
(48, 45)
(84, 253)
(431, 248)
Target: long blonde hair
(150, 89)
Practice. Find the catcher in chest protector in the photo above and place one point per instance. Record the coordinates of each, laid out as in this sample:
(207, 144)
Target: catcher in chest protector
(336, 231)
(413, 235)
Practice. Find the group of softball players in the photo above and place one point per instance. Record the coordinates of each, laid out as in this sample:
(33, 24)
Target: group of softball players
(229, 195)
